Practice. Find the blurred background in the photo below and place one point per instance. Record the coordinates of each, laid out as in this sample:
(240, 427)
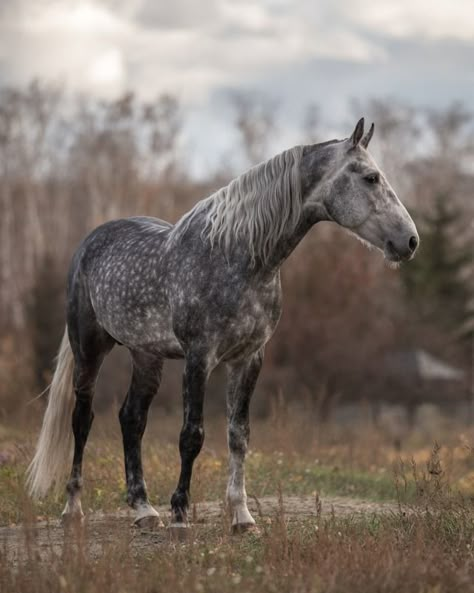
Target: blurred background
(112, 108)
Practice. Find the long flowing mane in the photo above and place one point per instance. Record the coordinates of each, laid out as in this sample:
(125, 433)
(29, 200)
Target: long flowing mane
(257, 207)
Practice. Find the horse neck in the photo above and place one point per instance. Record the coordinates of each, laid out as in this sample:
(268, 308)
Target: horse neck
(314, 165)
(288, 243)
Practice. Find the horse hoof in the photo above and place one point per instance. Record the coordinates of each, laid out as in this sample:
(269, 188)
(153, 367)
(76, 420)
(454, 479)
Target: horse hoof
(149, 523)
(240, 528)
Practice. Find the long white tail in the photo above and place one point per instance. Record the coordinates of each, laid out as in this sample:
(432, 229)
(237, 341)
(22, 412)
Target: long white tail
(53, 455)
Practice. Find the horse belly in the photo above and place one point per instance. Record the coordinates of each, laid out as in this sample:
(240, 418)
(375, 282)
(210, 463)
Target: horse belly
(139, 326)
(150, 334)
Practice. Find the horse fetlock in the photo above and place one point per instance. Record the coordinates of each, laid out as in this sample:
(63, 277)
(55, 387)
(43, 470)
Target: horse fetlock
(238, 435)
(192, 438)
(136, 492)
(74, 486)
(179, 518)
(179, 508)
(180, 499)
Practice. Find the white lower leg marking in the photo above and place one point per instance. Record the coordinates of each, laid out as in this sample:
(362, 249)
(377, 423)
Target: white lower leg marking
(236, 494)
(73, 507)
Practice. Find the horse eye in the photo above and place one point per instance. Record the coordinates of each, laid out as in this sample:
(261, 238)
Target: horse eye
(372, 178)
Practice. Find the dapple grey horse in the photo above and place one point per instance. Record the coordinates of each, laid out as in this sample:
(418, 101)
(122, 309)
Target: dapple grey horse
(206, 289)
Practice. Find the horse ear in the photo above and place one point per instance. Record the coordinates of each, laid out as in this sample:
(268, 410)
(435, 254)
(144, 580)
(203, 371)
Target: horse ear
(357, 133)
(367, 138)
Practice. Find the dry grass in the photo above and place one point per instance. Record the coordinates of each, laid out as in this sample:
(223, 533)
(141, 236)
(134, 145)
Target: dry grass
(424, 551)
(426, 546)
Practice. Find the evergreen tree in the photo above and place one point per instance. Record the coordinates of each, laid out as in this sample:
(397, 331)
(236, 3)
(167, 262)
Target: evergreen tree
(439, 280)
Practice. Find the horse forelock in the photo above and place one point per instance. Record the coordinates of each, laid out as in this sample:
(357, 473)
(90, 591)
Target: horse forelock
(258, 207)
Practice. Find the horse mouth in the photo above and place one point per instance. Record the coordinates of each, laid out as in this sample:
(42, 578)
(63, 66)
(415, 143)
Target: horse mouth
(391, 254)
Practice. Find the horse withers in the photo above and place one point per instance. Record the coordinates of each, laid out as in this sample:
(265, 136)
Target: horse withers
(207, 290)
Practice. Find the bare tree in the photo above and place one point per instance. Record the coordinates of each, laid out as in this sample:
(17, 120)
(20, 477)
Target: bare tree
(255, 118)
(397, 133)
(67, 166)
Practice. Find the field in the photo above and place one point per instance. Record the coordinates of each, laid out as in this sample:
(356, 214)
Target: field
(338, 509)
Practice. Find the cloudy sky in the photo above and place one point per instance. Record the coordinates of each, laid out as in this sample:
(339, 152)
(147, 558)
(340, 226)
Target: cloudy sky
(297, 51)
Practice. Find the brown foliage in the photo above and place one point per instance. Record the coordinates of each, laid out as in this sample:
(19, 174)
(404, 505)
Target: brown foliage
(66, 167)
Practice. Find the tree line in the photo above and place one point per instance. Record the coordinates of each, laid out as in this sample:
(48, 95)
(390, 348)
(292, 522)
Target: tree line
(67, 165)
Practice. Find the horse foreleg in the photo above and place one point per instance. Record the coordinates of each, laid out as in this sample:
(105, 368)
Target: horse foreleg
(133, 414)
(242, 380)
(191, 437)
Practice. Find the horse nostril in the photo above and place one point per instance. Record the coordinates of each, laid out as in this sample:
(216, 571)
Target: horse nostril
(413, 243)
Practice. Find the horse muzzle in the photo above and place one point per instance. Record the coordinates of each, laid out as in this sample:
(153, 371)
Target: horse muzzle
(402, 249)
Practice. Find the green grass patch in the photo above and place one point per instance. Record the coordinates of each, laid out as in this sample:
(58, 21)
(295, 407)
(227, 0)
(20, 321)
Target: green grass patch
(267, 475)
(296, 476)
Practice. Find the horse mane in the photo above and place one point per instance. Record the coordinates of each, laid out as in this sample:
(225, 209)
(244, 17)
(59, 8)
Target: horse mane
(257, 207)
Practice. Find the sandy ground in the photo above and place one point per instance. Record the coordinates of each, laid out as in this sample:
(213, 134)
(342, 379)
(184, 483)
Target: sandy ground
(209, 519)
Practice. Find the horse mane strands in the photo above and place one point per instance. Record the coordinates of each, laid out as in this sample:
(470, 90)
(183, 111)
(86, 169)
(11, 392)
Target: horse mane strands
(257, 207)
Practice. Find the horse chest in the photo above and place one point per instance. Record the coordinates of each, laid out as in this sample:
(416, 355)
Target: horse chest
(248, 330)
(224, 315)
(248, 323)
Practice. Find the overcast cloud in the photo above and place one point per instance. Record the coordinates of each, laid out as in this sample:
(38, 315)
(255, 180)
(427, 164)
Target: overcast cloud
(299, 51)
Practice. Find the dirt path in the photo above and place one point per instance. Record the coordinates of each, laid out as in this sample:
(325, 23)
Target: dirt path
(209, 520)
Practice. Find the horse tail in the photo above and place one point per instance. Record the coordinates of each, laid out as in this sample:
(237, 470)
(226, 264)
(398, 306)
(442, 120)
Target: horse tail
(55, 444)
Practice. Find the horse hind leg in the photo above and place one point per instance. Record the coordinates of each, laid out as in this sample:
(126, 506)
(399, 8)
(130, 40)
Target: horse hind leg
(146, 377)
(89, 349)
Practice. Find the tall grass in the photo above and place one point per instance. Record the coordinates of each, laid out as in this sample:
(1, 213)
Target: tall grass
(422, 542)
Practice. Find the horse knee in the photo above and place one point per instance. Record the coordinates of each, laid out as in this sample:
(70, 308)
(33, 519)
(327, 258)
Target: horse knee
(191, 439)
(238, 438)
(74, 485)
(129, 415)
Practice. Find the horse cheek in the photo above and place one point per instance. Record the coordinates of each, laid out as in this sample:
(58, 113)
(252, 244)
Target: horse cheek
(338, 203)
(346, 203)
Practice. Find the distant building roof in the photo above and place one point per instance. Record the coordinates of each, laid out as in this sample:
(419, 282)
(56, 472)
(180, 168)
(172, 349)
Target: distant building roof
(422, 365)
